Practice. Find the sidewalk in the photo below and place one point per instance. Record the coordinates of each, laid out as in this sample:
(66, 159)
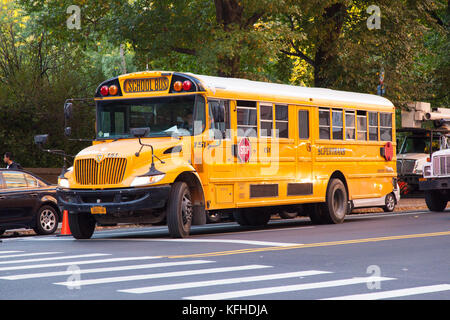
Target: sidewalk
(405, 204)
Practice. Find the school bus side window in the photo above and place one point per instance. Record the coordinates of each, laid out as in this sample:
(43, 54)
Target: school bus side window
(349, 124)
(324, 123)
(246, 118)
(373, 126)
(386, 126)
(362, 124)
(266, 120)
(303, 124)
(219, 111)
(338, 124)
(282, 121)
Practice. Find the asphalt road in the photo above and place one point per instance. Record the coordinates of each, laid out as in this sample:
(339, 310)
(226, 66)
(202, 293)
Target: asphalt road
(372, 256)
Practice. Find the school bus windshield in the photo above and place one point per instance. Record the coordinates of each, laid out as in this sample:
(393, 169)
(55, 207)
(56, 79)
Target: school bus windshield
(165, 116)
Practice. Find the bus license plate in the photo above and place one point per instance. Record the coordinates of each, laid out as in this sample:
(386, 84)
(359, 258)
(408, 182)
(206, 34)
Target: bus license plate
(98, 210)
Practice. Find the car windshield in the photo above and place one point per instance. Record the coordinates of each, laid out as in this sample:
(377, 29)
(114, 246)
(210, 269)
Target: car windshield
(418, 145)
(167, 116)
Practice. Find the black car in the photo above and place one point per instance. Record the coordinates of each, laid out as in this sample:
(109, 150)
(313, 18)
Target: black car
(27, 201)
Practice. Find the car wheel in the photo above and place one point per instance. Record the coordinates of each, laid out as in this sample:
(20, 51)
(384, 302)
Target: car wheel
(2, 231)
(46, 220)
(389, 203)
(179, 211)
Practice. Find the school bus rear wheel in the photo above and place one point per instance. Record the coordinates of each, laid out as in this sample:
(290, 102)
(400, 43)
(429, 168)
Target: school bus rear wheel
(179, 210)
(336, 204)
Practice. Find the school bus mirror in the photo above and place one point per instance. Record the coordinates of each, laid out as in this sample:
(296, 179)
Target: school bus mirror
(68, 110)
(140, 132)
(67, 131)
(40, 139)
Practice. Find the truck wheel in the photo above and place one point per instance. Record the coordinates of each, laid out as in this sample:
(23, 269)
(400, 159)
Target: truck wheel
(336, 204)
(389, 203)
(82, 225)
(179, 210)
(435, 200)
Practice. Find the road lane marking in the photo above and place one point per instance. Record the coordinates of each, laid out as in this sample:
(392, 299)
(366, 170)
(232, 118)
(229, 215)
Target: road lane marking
(312, 245)
(56, 258)
(98, 270)
(59, 264)
(394, 293)
(198, 284)
(27, 254)
(4, 252)
(288, 288)
(251, 242)
(162, 275)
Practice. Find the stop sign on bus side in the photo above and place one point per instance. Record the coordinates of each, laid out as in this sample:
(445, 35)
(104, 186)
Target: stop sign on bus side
(244, 150)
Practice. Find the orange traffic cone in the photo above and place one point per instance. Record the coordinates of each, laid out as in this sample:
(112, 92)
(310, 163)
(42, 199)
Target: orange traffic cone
(65, 229)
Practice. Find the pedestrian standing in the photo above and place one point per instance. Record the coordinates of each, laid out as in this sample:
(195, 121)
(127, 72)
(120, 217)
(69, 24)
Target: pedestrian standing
(10, 163)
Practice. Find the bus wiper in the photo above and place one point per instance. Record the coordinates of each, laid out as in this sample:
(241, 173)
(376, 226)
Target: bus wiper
(140, 133)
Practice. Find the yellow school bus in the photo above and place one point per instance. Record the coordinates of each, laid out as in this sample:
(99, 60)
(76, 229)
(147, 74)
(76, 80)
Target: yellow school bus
(176, 146)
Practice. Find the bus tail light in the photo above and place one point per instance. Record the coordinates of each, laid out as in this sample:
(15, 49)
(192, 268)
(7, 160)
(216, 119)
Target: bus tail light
(187, 85)
(104, 90)
(113, 90)
(177, 86)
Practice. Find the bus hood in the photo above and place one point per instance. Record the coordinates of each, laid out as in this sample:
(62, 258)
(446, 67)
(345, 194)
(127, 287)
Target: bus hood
(115, 164)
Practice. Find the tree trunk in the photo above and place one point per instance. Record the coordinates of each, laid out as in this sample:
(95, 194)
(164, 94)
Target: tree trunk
(326, 54)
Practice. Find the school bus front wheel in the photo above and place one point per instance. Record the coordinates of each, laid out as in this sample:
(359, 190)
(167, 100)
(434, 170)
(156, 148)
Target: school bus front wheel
(179, 210)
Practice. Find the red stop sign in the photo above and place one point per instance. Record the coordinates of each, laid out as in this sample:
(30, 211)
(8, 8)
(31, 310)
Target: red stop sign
(388, 151)
(244, 150)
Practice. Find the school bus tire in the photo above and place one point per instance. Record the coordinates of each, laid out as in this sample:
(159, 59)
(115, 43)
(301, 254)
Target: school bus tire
(435, 200)
(336, 203)
(254, 217)
(82, 225)
(179, 210)
(315, 213)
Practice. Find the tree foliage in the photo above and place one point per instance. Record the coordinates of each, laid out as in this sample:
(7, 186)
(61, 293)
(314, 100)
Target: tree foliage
(323, 43)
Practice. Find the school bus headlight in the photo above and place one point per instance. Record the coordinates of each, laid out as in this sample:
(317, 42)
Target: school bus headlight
(146, 180)
(63, 183)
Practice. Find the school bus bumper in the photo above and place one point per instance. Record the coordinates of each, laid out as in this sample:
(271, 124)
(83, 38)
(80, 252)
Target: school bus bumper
(111, 201)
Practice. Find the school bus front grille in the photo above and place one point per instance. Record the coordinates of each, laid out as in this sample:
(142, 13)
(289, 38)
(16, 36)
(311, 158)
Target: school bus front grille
(108, 171)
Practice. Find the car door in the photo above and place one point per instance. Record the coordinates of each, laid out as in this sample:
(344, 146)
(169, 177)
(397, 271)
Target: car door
(17, 200)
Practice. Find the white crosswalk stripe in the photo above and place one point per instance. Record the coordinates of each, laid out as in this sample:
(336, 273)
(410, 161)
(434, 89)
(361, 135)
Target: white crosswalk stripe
(82, 262)
(99, 270)
(394, 293)
(198, 284)
(163, 275)
(26, 254)
(178, 281)
(56, 258)
(288, 288)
